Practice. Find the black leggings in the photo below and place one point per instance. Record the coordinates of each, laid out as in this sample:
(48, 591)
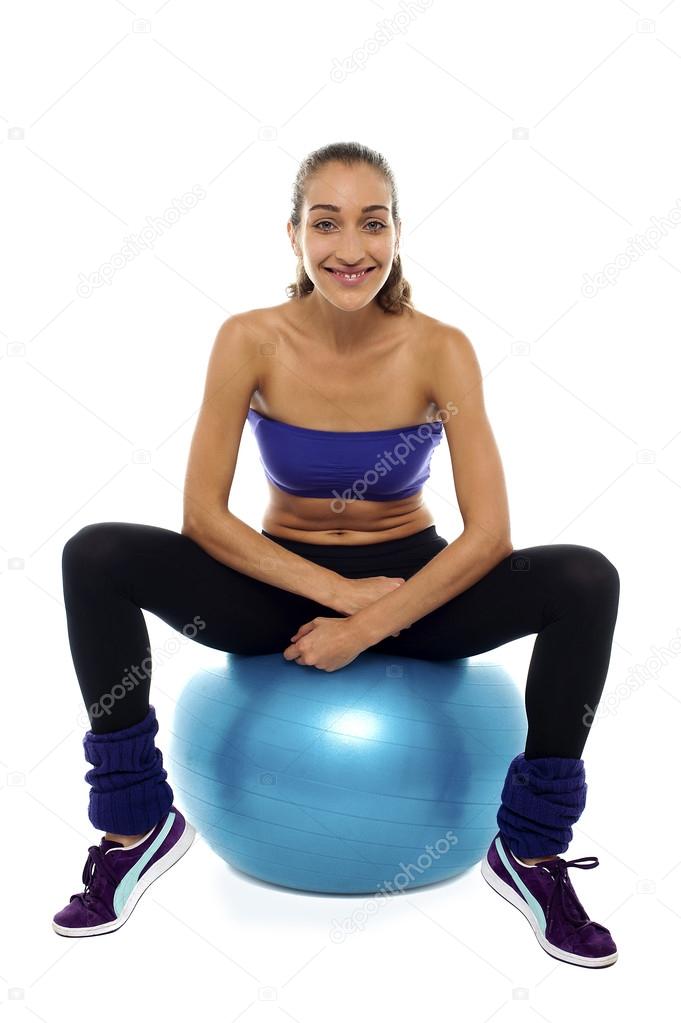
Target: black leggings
(566, 593)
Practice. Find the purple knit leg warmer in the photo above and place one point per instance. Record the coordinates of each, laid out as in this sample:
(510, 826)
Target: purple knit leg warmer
(129, 793)
(541, 799)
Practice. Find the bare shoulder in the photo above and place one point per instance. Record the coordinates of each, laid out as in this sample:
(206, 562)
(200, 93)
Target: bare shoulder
(244, 326)
(267, 323)
(434, 334)
(446, 336)
(247, 333)
(450, 357)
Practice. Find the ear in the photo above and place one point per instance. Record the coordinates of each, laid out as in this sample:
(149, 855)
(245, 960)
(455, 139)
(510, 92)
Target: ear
(292, 236)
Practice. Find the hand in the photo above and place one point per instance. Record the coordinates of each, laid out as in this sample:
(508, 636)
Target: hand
(359, 593)
(325, 643)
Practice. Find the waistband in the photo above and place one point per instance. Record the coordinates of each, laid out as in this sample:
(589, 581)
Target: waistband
(424, 538)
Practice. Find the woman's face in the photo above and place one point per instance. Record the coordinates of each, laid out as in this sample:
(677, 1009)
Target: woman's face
(348, 236)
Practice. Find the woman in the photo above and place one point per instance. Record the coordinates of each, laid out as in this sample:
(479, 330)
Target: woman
(349, 557)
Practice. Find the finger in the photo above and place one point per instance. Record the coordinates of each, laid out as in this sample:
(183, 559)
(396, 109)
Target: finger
(303, 630)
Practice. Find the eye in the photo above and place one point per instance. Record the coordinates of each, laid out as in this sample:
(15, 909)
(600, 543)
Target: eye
(380, 224)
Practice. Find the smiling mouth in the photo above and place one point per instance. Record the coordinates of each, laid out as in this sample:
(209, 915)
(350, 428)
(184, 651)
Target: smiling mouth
(349, 275)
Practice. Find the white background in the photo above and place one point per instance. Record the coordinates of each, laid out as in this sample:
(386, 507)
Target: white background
(531, 142)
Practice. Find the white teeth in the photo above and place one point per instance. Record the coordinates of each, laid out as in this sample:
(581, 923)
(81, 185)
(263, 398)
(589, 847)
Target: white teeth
(350, 277)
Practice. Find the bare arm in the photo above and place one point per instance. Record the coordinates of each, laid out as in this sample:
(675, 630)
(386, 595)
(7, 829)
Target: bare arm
(480, 490)
(457, 567)
(231, 379)
(230, 540)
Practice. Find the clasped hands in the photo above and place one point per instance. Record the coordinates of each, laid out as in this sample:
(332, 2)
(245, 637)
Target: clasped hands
(331, 643)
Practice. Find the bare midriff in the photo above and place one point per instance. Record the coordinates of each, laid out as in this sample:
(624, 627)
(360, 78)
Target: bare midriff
(381, 385)
(373, 522)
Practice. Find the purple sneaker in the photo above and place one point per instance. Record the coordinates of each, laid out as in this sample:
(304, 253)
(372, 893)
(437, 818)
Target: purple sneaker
(544, 894)
(115, 876)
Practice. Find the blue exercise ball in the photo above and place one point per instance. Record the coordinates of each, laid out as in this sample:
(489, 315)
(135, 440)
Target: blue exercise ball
(385, 774)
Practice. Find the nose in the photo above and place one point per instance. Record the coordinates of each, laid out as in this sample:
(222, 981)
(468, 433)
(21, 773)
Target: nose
(353, 252)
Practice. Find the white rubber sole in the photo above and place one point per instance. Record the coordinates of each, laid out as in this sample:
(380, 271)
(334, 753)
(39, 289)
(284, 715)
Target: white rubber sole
(512, 896)
(172, 856)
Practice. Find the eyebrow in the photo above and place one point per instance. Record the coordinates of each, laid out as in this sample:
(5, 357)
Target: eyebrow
(337, 209)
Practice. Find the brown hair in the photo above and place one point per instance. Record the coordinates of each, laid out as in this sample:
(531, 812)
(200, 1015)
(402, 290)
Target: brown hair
(395, 295)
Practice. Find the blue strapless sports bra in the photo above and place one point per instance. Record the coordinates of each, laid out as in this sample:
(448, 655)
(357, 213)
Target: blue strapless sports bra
(373, 465)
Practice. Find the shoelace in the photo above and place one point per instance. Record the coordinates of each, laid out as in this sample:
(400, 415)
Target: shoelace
(95, 867)
(564, 891)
